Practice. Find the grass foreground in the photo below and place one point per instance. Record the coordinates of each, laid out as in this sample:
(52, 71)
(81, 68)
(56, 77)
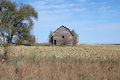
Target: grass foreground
(82, 62)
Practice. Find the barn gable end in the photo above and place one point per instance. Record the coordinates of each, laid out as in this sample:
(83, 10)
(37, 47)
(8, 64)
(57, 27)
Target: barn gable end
(62, 36)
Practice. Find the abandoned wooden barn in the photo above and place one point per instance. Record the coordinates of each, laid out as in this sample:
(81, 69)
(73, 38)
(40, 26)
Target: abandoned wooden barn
(63, 36)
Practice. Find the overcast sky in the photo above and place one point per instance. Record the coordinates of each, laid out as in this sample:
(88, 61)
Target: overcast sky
(95, 21)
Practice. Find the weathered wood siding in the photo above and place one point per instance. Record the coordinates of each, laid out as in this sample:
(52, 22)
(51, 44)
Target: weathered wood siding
(62, 36)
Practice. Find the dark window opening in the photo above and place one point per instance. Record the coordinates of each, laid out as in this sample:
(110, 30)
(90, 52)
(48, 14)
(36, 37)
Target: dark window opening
(62, 36)
(55, 42)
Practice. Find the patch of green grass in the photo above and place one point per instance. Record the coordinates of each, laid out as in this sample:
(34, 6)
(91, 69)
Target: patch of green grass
(40, 44)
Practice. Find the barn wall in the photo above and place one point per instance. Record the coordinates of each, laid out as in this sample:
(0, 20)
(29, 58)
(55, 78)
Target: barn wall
(67, 40)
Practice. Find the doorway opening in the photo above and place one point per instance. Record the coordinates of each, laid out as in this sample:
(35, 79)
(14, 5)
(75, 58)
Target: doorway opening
(62, 36)
(55, 42)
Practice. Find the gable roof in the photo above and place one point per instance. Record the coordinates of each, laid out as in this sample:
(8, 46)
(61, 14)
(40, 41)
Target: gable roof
(65, 28)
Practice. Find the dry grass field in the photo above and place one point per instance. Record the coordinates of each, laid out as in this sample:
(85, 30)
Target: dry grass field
(76, 52)
(81, 62)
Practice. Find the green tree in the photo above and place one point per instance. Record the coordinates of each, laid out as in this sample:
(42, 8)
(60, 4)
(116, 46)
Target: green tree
(32, 39)
(16, 20)
(51, 37)
(75, 37)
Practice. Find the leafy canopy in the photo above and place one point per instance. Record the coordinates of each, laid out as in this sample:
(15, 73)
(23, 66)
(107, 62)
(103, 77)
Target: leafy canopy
(75, 37)
(16, 20)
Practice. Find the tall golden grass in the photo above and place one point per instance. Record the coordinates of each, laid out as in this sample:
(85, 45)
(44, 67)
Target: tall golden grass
(47, 70)
(77, 52)
(82, 62)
